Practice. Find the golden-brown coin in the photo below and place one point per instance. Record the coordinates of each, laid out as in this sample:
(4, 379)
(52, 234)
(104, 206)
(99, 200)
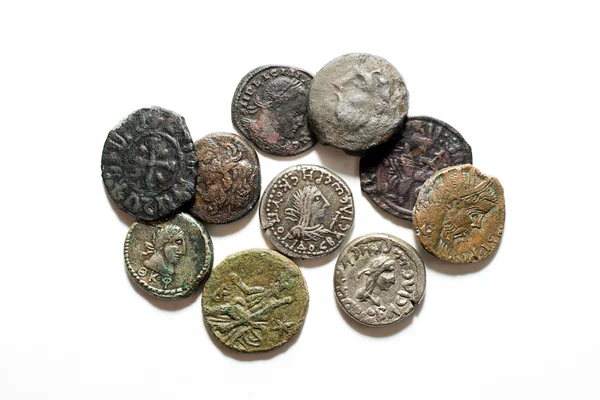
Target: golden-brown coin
(459, 214)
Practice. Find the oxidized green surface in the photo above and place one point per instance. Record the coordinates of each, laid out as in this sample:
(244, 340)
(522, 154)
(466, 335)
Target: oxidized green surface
(255, 300)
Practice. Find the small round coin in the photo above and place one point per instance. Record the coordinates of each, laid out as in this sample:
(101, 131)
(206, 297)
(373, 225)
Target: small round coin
(149, 165)
(392, 175)
(459, 214)
(269, 107)
(228, 180)
(255, 300)
(169, 259)
(356, 102)
(306, 211)
(379, 279)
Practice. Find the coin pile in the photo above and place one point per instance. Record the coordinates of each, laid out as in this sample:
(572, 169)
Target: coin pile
(415, 168)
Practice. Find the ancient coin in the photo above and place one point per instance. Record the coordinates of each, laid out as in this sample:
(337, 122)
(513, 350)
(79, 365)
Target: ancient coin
(228, 181)
(255, 300)
(306, 211)
(356, 102)
(459, 214)
(392, 175)
(269, 107)
(379, 279)
(149, 165)
(169, 259)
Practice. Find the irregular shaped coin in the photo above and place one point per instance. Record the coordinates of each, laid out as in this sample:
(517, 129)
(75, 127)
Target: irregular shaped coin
(392, 175)
(169, 259)
(379, 279)
(149, 165)
(228, 181)
(356, 102)
(459, 214)
(306, 211)
(269, 107)
(255, 300)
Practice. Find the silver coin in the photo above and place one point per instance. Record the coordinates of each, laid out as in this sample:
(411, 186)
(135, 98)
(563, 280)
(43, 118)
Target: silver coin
(356, 101)
(379, 279)
(306, 211)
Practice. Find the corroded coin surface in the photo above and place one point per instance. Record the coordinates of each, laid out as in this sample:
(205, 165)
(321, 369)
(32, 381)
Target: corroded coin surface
(306, 211)
(356, 101)
(392, 175)
(228, 181)
(379, 279)
(149, 165)
(269, 107)
(459, 214)
(171, 258)
(255, 300)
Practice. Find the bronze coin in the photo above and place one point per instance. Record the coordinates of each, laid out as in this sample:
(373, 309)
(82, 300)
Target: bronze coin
(228, 180)
(459, 214)
(255, 300)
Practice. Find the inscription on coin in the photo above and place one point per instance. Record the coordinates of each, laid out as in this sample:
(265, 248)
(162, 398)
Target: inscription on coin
(169, 259)
(228, 181)
(306, 211)
(270, 108)
(356, 101)
(255, 300)
(392, 175)
(379, 279)
(459, 214)
(148, 163)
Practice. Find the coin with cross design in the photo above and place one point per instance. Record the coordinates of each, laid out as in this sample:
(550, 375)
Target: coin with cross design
(149, 164)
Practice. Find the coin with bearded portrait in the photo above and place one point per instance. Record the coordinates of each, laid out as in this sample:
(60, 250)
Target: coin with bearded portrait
(306, 211)
(269, 108)
(356, 102)
(379, 279)
(169, 259)
(459, 214)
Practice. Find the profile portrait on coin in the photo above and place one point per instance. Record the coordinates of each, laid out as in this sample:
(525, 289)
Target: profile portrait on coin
(165, 251)
(308, 211)
(379, 278)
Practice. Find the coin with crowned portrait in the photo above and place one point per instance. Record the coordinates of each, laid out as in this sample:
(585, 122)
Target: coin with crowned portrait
(169, 259)
(149, 165)
(255, 300)
(228, 180)
(392, 175)
(379, 279)
(269, 107)
(459, 214)
(356, 102)
(306, 211)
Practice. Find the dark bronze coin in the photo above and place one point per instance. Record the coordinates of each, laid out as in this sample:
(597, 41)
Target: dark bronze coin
(270, 108)
(169, 259)
(149, 165)
(392, 175)
(228, 181)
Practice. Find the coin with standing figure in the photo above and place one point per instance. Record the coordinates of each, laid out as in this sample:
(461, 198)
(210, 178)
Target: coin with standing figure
(392, 175)
(255, 300)
(228, 180)
(459, 214)
(379, 279)
(169, 259)
(149, 165)
(306, 211)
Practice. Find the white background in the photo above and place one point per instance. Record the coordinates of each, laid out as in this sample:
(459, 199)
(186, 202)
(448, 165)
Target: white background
(519, 80)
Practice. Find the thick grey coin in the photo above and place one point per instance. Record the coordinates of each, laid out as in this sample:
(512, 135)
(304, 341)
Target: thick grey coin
(169, 259)
(228, 181)
(269, 107)
(149, 165)
(356, 102)
(306, 211)
(379, 279)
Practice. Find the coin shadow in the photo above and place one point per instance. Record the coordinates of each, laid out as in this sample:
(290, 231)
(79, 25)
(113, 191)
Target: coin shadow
(395, 220)
(122, 215)
(164, 304)
(380, 331)
(338, 160)
(284, 158)
(219, 230)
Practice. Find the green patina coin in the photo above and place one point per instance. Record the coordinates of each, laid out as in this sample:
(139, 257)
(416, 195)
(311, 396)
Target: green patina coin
(255, 300)
(169, 259)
